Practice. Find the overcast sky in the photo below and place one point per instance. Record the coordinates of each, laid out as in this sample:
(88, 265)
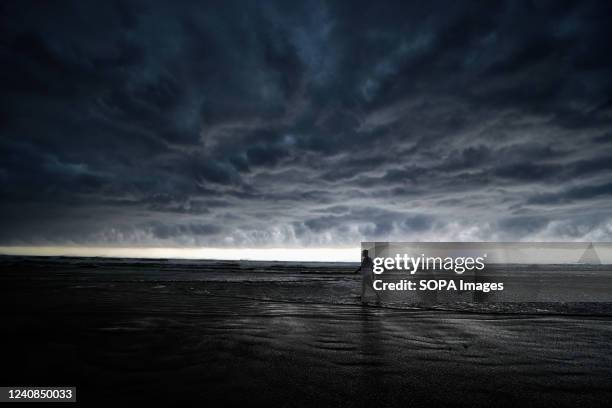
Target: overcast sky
(304, 123)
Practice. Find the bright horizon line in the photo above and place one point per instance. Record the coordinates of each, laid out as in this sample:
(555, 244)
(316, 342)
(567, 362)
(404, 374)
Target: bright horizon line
(308, 254)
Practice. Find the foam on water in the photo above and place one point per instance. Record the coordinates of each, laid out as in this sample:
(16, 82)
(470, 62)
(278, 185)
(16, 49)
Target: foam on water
(304, 283)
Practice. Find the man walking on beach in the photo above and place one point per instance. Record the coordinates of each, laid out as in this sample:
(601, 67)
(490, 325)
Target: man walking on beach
(367, 277)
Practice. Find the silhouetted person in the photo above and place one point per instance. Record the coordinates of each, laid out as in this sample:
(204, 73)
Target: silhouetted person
(367, 276)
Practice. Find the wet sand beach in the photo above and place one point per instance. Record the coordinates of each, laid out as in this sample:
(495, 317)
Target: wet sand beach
(120, 337)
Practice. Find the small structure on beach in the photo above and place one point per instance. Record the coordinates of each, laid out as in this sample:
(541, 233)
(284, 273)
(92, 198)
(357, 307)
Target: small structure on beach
(590, 256)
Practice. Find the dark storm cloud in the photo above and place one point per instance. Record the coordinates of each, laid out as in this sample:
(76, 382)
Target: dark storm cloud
(304, 123)
(574, 194)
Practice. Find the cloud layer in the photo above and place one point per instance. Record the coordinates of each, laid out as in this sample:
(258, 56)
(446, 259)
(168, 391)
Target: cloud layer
(304, 123)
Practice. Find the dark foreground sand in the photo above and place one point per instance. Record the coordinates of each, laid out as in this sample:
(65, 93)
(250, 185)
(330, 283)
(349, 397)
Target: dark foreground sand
(161, 341)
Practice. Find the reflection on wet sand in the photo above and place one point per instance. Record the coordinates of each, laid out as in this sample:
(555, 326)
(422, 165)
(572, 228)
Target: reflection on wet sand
(254, 341)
